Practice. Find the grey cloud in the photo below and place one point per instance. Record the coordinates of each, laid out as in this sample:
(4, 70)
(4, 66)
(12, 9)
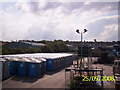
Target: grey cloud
(36, 6)
(68, 7)
(97, 27)
(51, 32)
(97, 6)
(101, 6)
(39, 32)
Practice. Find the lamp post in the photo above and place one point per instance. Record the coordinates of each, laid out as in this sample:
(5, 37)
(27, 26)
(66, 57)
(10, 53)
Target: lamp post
(81, 34)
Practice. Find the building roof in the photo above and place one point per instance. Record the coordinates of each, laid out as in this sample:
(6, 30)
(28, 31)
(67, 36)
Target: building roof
(34, 44)
(41, 55)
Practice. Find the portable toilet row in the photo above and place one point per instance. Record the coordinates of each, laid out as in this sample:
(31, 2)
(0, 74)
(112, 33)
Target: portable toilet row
(53, 63)
(26, 66)
(59, 62)
(30, 67)
(5, 67)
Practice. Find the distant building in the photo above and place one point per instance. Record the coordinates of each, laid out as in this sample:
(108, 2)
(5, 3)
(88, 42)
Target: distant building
(23, 44)
(5, 43)
(35, 44)
(72, 48)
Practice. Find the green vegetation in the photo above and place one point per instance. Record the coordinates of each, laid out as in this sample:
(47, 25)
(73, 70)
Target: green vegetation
(7, 50)
(56, 46)
(20, 48)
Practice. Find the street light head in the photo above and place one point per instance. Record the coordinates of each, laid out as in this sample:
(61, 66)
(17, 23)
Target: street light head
(85, 30)
(77, 31)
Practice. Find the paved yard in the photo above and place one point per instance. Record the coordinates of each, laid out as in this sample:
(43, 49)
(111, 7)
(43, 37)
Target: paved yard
(108, 71)
(49, 80)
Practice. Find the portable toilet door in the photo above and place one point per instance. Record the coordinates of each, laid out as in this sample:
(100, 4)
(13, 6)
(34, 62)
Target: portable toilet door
(69, 60)
(54, 64)
(5, 69)
(62, 62)
(58, 63)
(50, 65)
(13, 67)
(22, 68)
(34, 69)
(65, 61)
(43, 67)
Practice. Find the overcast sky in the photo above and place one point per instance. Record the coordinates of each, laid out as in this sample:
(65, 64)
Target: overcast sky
(59, 20)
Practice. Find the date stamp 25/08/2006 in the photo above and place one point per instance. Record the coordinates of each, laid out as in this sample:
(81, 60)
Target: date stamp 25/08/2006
(98, 78)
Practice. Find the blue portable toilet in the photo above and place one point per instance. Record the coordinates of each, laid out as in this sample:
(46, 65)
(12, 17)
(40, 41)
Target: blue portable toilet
(65, 61)
(5, 68)
(50, 65)
(62, 62)
(43, 64)
(57, 63)
(23, 67)
(13, 65)
(34, 68)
